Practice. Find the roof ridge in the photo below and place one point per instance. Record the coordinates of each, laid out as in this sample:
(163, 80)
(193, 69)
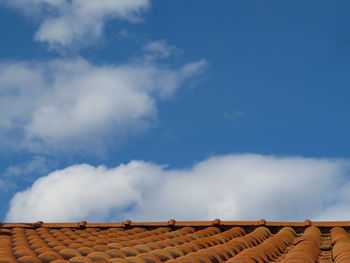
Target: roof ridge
(172, 222)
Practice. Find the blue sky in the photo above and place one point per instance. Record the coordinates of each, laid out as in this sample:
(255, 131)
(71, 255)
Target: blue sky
(196, 83)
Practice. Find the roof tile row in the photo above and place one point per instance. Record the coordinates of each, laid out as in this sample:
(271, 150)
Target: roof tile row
(171, 244)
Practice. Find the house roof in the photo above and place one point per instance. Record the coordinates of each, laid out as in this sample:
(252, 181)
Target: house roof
(176, 242)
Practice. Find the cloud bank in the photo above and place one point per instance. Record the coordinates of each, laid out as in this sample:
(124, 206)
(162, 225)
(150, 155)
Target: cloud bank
(58, 102)
(232, 187)
(69, 23)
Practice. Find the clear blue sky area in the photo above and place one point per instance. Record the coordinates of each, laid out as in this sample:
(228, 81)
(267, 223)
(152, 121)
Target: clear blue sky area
(276, 83)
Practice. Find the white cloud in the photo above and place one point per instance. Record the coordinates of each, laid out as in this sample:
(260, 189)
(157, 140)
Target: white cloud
(159, 49)
(233, 187)
(38, 165)
(26, 172)
(64, 23)
(62, 101)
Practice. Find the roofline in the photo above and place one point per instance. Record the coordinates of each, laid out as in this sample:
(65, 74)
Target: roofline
(172, 222)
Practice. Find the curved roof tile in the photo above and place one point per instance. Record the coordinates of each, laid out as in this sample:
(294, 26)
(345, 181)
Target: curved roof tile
(176, 242)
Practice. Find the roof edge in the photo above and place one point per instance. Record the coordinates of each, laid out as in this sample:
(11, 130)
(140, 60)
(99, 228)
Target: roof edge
(172, 222)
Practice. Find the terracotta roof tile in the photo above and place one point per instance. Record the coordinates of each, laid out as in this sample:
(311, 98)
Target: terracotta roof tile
(176, 242)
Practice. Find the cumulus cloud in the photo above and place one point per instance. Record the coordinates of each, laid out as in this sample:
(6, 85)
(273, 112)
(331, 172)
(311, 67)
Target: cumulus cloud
(57, 102)
(232, 187)
(64, 23)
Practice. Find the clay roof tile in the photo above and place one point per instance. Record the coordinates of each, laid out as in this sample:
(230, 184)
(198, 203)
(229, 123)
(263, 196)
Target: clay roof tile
(213, 241)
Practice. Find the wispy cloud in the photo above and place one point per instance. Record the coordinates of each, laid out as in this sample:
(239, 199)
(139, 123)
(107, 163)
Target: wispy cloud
(160, 49)
(233, 187)
(58, 102)
(233, 115)
(38, 165)
(76, 23)
(14, 176)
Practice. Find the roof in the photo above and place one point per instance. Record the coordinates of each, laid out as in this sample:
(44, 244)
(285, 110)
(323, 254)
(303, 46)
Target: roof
(176, 242)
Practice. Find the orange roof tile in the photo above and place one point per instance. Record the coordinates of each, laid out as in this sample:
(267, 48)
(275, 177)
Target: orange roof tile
(176, 242)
